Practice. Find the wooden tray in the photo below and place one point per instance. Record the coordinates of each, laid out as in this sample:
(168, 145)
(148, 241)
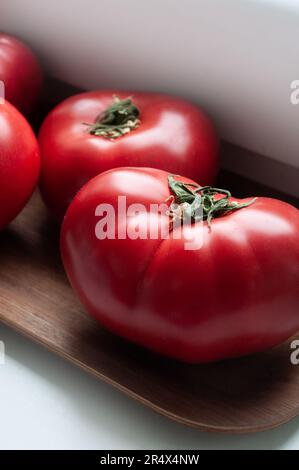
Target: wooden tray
(243, 395)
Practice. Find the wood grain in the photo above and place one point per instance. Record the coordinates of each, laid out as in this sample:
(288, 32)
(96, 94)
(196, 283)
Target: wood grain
(244, 395)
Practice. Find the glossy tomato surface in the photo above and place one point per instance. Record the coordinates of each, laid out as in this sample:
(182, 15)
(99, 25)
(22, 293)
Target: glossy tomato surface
(237, 294)
(19, 162)
(20, 72)
(173, 135)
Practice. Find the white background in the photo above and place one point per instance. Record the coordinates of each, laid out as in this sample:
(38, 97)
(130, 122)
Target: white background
(235, 57)
(46, 403)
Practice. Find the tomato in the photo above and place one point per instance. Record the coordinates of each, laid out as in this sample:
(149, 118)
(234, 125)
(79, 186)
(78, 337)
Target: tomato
(92, 132)
(237, 293)
(19, 162)
(20, 72)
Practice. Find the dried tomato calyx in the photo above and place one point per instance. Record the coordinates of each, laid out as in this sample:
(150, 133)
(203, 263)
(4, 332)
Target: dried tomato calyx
(201, 202)
(120, 118)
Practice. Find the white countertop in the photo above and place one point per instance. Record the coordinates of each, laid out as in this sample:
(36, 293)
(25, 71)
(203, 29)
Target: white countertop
(46, 403)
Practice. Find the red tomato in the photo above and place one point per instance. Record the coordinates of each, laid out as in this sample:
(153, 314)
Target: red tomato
(237, 294)
(20, 72)
(19, 162)
(151, 130)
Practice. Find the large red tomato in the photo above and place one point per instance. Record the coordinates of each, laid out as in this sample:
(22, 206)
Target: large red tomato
(236, 294)
(20, 72)
(19, 162)
(92, 132)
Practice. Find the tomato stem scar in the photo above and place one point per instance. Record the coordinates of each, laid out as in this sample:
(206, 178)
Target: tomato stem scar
(201, 202)
(120, 118)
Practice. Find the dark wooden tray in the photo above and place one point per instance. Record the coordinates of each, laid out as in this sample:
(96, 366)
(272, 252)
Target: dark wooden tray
(243, 395)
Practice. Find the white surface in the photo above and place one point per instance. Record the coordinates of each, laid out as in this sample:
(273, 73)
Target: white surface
(236, 57)
(46, 403)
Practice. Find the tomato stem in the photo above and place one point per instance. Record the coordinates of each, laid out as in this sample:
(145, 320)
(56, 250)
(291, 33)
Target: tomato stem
(120, 118)
(201, 202)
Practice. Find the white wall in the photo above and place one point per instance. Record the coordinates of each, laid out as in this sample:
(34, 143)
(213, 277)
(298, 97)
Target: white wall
(236, 57)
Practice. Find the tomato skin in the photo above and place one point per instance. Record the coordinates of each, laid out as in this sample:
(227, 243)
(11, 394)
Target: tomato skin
(19, 162)
(174, 135)
(20, 72)
(237, 295)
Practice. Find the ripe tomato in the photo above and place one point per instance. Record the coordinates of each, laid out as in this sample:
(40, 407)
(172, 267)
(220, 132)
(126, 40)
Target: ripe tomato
(236, 294)
(148, 130)
(20, 72)
(19, 162)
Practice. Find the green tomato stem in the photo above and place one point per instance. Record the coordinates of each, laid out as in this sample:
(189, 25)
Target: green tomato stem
(191, 197)
(120, 118)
